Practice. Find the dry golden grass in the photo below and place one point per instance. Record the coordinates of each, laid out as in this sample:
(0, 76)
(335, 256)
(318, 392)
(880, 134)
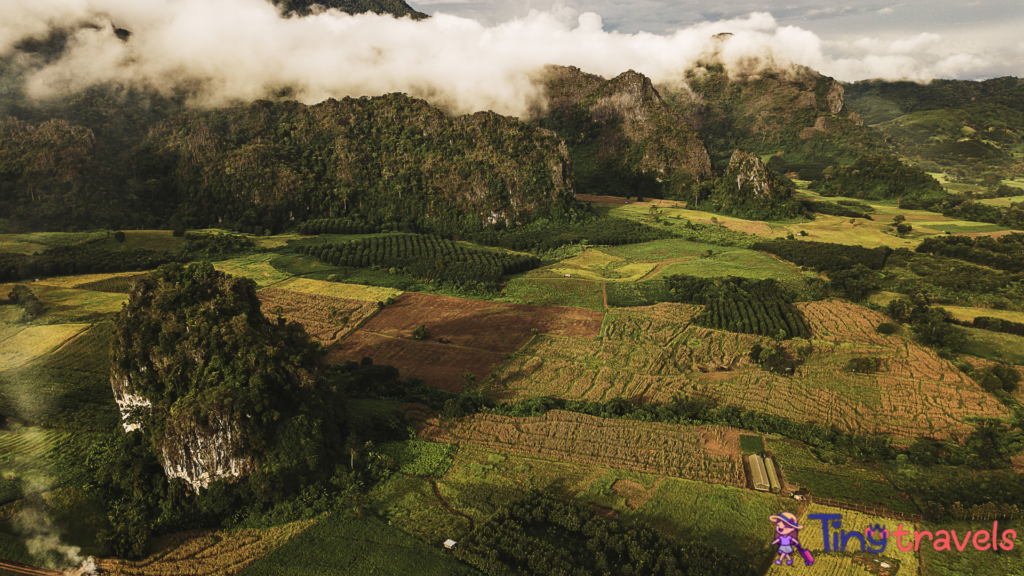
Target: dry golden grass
(327, 319)
(339, 289)
(651, 354)
(206, 552)
(704, 453)
(35, 341)
(74, 281)
(596, 265)
(256, 267)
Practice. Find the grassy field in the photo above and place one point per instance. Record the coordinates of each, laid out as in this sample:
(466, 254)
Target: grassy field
(206, 552)
(339, 289)
(35, 341)
(255, 266)
(340, 545)
(595, 265)
(994, 346)
(554, 292)
(850, 482)
(705, 260)
(967, 313)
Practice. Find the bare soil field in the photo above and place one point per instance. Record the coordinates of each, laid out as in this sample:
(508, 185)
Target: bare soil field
(327, 319)
(480, 325)
(705, 453)
(440, 365)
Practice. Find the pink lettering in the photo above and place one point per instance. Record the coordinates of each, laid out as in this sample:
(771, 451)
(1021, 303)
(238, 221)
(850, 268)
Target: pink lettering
(984, 540)
(960, 546)
(941, 540)
(900, 532)
(995, 535)
(1008, 542)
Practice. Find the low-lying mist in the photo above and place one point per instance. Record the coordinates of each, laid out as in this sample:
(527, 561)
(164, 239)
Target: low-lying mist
(239, 50)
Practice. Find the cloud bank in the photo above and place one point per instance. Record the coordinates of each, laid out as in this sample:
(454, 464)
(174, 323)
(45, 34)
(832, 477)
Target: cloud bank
(240, 50)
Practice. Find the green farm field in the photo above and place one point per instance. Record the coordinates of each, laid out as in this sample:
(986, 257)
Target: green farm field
(356, 546)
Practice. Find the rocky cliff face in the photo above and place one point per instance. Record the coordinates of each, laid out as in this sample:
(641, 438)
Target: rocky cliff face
(748, 176)
(621, 132)
(215, 386)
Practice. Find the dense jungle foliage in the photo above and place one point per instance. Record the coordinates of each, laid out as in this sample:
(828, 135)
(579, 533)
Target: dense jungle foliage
(1002, 253)
(824, 256)
(877, 177)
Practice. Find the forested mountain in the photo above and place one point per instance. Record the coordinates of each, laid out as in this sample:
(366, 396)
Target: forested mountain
(800, 115)
(973, 131)
(391, 159)
(398, 8)
(624, 138)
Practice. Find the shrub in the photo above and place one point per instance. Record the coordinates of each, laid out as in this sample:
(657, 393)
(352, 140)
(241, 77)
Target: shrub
(887, 328)
(421, 333)
(119, 236)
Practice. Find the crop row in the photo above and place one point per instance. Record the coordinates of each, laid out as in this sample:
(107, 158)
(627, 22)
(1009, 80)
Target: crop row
(423, 256)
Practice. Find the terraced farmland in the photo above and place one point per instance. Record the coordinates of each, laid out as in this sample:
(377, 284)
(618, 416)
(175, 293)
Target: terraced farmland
(706, 453)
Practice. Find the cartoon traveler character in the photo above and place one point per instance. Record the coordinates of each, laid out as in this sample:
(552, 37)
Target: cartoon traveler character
(786, 529)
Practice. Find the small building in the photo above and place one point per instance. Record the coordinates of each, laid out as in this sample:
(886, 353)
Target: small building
(773, 477)
(758, 473)
(450, 544)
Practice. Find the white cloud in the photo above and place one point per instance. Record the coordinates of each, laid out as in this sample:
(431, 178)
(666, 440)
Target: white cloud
(243, 49)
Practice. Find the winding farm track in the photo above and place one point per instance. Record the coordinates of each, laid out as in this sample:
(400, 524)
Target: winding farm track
(19, 568)
(437, 492)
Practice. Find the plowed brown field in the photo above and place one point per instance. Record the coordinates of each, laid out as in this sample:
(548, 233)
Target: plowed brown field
(465, 335)
(704, 453)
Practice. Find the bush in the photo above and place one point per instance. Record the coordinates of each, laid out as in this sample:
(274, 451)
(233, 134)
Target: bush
(178, 232)
(421, 333)
(119, 236)
(887, 328)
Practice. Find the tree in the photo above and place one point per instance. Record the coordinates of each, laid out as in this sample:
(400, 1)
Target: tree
(902, 229)
(119, 236)
(421, 333)
(898, 219)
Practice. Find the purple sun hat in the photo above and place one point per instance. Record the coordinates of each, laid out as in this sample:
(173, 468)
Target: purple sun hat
(787, 519)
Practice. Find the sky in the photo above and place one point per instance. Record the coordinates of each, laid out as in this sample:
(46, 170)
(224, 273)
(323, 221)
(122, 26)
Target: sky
(984, 37)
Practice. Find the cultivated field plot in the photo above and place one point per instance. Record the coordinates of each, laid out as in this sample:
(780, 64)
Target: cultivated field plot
(339, 289)
(327, 319)
(690, 258)
(705, 453)
(440, 365)
(733, 520)
(676, 215)
(73, 305)
(35, 341)
(652, 353)
(852, 562)
(120, 283)
(206, 552)
(969, 313)
(570, 292)
(255, 266)
(478, 324)
(595, 265)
